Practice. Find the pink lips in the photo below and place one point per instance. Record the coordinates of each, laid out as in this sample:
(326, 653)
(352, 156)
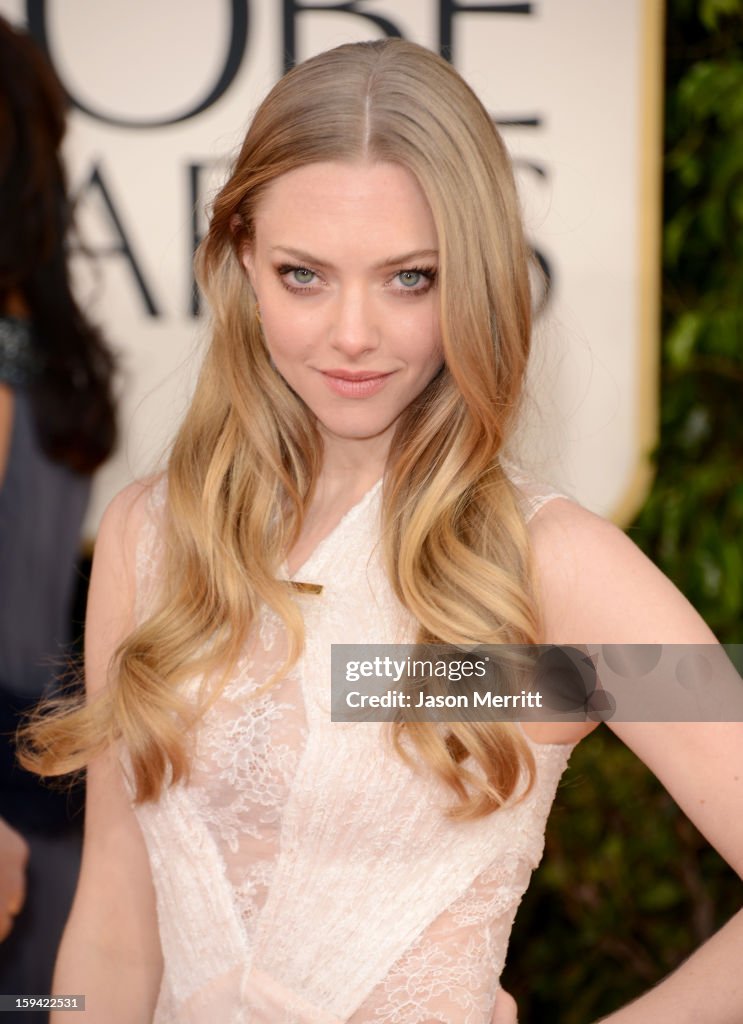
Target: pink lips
(350, 384)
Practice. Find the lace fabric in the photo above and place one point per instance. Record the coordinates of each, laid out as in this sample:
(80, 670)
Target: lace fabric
(306, 873)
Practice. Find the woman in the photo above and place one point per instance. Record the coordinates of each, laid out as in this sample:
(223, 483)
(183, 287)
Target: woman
(56, 427)
(340, 478)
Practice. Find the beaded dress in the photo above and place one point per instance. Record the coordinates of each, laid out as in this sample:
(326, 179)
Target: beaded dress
(306, 874)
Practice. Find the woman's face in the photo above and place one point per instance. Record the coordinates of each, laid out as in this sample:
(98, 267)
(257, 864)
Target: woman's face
(344, 262)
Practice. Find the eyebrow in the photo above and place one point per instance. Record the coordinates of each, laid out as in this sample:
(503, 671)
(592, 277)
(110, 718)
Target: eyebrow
(406, 257)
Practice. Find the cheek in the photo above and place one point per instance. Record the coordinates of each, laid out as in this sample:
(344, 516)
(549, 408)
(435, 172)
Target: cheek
(288, 335)
(425, 334)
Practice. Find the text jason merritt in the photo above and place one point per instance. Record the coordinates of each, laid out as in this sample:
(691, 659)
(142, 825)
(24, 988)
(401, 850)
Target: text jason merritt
(400, 699)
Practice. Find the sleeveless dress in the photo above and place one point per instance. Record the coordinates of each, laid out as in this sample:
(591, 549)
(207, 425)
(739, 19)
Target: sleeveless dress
(306, 874)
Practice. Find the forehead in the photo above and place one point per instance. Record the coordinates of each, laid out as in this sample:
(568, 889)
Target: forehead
(338, 203)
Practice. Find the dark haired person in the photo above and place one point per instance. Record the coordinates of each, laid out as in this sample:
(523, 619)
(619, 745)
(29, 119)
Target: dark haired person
(57, 425)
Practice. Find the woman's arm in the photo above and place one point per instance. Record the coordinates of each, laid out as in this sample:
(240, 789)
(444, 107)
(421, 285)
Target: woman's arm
(110, 950)
(597, 587)
(13, 860)
(6, 426)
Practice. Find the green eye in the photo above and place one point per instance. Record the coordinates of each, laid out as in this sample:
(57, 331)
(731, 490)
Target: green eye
(410, 278)
(302, 276)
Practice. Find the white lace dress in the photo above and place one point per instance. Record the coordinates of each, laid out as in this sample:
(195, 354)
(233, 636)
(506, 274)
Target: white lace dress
(305, 873)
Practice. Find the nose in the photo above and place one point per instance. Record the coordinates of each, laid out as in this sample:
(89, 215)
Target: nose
(354, 329)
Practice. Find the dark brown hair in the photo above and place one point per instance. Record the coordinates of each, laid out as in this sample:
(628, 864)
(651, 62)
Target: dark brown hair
(71, 392)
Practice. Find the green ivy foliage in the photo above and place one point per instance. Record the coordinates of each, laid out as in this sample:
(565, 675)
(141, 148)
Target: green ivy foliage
(628, 887)
(692, 523)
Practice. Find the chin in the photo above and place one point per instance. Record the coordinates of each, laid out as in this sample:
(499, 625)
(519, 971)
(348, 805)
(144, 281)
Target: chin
(346, 431)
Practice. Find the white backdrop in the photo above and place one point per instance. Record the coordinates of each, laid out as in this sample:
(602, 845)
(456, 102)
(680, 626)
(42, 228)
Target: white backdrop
(163, 91)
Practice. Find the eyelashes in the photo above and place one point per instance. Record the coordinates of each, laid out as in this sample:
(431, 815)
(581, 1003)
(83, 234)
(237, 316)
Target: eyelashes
(412, 280)
(287, 270)
(427, 274)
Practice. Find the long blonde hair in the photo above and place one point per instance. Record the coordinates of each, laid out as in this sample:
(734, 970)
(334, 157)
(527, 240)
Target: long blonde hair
(455, 542)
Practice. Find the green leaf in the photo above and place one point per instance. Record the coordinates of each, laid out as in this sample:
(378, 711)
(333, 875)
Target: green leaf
(682, 339)
(661, 896)
(711, 11)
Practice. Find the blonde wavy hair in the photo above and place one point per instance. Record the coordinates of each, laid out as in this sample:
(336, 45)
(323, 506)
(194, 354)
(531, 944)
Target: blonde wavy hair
(455, 543)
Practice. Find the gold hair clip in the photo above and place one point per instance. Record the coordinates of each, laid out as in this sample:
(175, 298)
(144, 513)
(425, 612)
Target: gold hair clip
(306, 588)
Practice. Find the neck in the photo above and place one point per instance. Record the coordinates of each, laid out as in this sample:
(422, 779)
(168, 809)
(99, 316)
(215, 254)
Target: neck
(354, 465)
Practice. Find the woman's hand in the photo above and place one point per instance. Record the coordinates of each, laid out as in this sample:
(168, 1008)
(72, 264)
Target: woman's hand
(506, 1010)
(13, 859)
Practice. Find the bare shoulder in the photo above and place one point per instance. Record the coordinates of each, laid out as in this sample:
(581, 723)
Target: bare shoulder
(596, 586)
(128, 510)
(112, 596)
(126, 515)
